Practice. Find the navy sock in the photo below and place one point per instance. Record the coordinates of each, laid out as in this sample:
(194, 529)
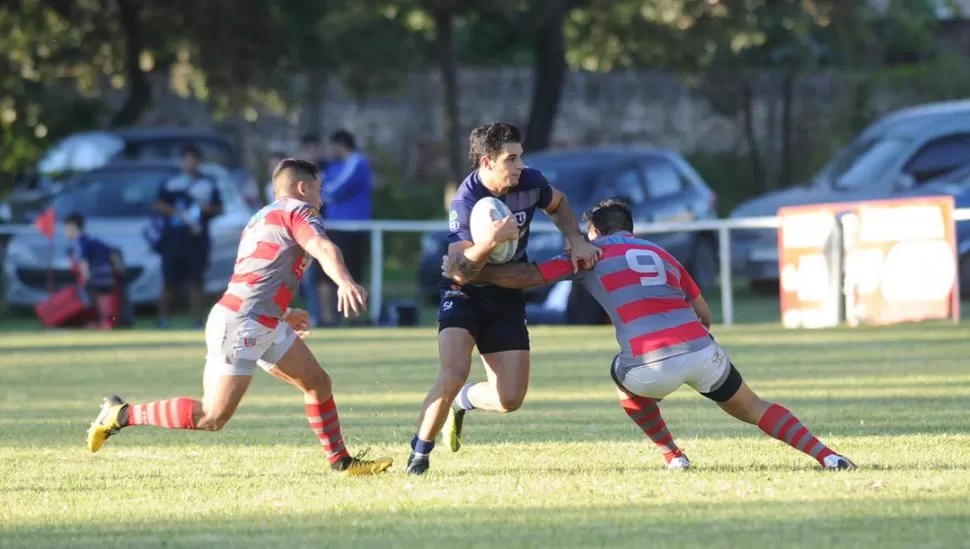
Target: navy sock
(421, 447)
(463, 401)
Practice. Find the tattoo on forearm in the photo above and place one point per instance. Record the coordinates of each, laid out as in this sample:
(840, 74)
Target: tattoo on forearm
(524, 275)
(466, 268)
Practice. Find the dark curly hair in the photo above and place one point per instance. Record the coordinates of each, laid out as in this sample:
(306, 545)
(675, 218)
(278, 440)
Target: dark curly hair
(488, 140)
(609, 215)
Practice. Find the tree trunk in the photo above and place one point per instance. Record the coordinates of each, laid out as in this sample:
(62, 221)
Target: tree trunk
(139, 90)
(444, 42)
(754, 156)
(549, 76)
(770, 163)
(312, 122)
(787, 133)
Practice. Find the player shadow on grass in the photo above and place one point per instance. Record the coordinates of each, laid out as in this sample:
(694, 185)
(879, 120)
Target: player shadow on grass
(652, 463)
(833, 522)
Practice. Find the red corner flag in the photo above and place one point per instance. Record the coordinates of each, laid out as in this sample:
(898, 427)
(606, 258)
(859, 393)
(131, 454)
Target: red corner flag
(45, 223)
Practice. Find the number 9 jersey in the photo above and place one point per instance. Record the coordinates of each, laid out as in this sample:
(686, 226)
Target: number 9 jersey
(647, 294)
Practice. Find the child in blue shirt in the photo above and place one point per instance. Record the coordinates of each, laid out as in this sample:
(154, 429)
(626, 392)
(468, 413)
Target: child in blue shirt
(97, 262)
(98, 265)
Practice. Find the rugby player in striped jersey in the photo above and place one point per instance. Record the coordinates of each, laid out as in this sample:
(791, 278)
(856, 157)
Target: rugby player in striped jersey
(253, 326)
(662, 326)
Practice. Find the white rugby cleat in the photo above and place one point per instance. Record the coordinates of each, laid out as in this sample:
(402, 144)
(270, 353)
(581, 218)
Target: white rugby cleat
(679, 463)
(835, 461)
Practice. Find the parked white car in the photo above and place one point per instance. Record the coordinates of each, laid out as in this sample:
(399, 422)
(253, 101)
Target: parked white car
(116, 201)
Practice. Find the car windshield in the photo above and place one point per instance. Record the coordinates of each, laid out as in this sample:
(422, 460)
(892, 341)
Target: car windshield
(575, 177)
(169, 148)
(112, 195)
(85, 152)
(80, 153)
(862, 162)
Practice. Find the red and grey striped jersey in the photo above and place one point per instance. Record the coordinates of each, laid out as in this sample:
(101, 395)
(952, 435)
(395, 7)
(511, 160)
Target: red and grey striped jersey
(271, 260)
(647, 294)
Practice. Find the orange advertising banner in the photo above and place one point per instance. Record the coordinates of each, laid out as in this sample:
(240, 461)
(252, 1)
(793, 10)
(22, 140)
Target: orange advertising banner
(901, 261)
(810, 265)
(887, 261)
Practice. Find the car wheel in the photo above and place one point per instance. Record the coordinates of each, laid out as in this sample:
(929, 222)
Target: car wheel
(583, 309)
(703, 265)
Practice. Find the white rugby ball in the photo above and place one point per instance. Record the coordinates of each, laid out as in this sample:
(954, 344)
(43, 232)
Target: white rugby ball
(486, 211)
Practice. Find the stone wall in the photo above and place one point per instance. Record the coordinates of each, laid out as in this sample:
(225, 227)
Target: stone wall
(403, 126)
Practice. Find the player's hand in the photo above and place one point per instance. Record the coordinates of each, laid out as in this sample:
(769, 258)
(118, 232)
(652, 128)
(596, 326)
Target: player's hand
(503, 230)
(351, 299)
(299, 320)
(583, 255)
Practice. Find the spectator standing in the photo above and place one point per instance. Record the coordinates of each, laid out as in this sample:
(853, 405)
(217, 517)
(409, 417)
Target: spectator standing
(347, 189)
(189, 201)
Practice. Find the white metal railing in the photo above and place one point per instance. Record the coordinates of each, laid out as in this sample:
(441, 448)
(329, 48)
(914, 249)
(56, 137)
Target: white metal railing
(379, 227)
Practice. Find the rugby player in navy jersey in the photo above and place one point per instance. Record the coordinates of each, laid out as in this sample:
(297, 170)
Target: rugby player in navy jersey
(661, 323)
(483, 315)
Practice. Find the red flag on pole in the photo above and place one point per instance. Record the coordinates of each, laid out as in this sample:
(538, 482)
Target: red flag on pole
(45, 223)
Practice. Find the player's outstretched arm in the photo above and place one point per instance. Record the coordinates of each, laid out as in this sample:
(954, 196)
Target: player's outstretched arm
(584, 254)
(351, 296)
(521, 276)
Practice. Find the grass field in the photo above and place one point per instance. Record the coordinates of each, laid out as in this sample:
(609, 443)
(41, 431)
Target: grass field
(568, 470)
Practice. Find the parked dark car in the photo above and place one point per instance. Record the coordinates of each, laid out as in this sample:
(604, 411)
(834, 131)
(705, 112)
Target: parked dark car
(85, 151)
(659, 185)
(898, 155)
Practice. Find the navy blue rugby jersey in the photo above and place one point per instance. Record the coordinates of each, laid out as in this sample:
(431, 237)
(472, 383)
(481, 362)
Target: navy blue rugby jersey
(533, 191)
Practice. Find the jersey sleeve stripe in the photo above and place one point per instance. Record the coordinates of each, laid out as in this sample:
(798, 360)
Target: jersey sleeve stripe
(691, 290)
(555, 268)
(653, 341)
(649, 306)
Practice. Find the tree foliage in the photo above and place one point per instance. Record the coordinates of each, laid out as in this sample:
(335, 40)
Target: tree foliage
(67, 65)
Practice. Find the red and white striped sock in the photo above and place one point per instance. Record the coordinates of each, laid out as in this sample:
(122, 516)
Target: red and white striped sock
(646, 414)
(174, 413)
(325, 423)
(778, 422)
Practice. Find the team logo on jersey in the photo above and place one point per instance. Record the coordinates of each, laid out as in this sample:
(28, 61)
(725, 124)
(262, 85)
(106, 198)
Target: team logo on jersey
(447, 305)
(455, 292)
(299, 267)
(249, 342)
(453, 221)
(520, 218)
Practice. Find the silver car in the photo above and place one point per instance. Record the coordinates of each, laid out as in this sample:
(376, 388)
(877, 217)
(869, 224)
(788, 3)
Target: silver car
(116, 202)
(896, 156)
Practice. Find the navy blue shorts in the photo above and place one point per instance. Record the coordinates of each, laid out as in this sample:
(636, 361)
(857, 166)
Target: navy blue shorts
(184, 264)
(496, 320)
